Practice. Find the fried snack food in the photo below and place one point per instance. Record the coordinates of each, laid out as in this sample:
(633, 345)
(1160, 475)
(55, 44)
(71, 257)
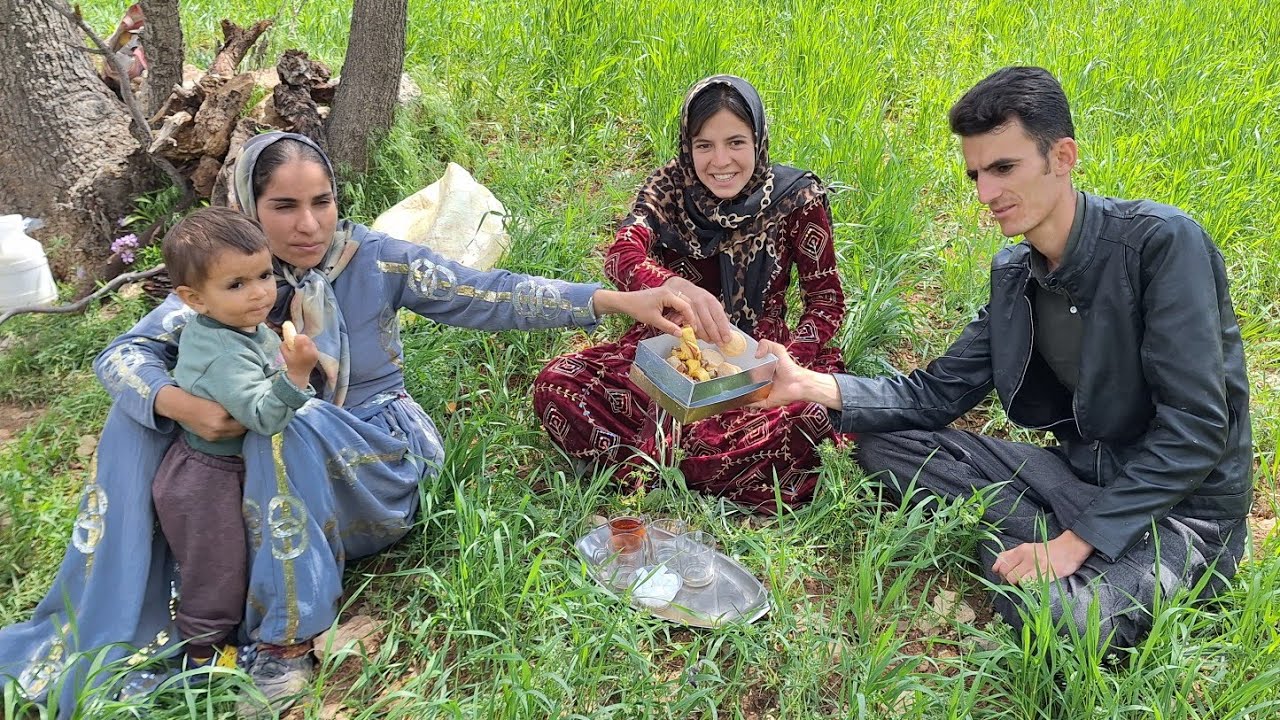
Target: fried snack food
(735, 346)
(288, 332)
(697, 364)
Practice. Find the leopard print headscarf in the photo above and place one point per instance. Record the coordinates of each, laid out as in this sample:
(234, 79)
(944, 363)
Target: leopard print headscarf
(745, 231)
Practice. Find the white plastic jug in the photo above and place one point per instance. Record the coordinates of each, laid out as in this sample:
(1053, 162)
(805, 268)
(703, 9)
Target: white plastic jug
(25, 278)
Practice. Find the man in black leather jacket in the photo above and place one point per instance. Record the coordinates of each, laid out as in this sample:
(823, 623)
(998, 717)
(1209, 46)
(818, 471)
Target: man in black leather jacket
(1109, 326)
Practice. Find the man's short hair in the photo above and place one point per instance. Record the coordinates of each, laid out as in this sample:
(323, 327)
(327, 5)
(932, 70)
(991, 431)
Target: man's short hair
(1031, 95)
(192, 245)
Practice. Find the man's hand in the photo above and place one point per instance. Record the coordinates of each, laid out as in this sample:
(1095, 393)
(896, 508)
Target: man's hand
(1058, 558)
(205, 418)
(708, 317)
(647, 306)
(793, 383)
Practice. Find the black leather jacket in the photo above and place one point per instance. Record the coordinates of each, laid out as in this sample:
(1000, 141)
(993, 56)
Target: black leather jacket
(1160, 415)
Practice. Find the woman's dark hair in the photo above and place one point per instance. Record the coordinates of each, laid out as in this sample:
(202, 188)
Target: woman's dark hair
(280, 153)
(1030, 94)
(712, 100)
(192, 246)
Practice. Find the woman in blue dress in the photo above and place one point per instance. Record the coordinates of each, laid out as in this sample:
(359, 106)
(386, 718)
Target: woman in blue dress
(340, 482)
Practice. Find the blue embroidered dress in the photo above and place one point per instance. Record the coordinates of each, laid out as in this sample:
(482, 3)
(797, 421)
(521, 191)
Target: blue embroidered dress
(341, 481)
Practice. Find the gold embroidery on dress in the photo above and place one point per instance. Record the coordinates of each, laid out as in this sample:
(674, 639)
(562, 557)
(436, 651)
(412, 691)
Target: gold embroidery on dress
(252, 513)
(120, 372)
(91, 522)
(389, 335)
(437, 282)
(285, 529)
(45, 666)
(146, 652)
(342, 467)
(388, 529)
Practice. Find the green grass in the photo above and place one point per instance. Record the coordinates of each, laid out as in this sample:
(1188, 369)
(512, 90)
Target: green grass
(561, 108)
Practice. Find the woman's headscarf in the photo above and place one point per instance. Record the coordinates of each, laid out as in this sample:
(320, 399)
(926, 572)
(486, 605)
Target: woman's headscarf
(306, 296)
(745, 231)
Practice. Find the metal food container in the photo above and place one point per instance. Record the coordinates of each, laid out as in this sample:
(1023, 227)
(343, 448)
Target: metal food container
(687, 400)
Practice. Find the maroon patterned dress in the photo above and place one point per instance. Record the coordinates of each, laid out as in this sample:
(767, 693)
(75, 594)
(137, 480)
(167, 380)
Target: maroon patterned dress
(593, 411)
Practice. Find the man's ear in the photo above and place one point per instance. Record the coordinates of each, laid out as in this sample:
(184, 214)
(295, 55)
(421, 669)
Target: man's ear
(1063, 156)
(191, 297)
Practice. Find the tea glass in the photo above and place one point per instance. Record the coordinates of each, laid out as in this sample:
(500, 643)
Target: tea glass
(665, 541)
(696, 562)
(622, 555)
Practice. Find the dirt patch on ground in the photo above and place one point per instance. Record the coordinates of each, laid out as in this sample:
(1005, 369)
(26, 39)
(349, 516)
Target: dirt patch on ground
(1261, 528)
(15, 418)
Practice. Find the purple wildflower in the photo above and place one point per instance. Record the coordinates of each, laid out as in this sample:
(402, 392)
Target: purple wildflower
(124, 247)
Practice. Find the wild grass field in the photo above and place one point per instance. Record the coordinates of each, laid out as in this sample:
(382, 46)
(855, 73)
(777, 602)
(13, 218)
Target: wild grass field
(561, 107)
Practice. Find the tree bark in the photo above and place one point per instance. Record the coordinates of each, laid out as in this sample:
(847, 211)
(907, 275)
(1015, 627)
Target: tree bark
(66, 152)
(365, 102)
(163, 44)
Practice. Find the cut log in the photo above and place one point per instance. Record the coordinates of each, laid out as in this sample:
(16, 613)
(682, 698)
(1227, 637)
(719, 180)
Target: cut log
(265, 112)
(223, 193)
(218, 115)
(205, 175)
(182, 99)
(164, 136)
(297, 68)
(292, 97)
(238, 41)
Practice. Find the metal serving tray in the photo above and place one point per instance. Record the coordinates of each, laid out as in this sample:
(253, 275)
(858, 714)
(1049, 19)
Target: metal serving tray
(735, 596)
(687, 400)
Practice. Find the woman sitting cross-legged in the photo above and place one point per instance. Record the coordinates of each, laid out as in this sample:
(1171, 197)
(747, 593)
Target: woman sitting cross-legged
(725, 229)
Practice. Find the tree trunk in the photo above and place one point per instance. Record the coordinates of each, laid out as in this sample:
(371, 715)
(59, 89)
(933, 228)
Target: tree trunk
(162, 42)
(365, 102)
(66, 153)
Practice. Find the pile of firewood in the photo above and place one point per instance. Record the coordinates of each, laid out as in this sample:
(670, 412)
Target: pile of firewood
(205, 121)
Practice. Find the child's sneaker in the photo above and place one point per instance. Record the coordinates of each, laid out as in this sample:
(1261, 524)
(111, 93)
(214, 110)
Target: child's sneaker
(281, 680)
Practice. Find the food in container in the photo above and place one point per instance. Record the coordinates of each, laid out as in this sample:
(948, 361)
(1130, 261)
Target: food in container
(688, 400)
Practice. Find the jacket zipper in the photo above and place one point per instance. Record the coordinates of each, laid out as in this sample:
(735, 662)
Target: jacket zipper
(1026, 364)
(1031, 347)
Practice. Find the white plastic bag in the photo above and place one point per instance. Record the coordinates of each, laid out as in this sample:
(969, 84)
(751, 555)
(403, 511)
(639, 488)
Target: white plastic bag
(25, 278)
(455, 216)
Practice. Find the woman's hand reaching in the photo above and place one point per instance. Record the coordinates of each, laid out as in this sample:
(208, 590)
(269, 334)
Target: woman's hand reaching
(706, 315)
(647, 306)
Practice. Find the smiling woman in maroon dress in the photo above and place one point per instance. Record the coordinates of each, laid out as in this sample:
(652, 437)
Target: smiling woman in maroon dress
(725, 228)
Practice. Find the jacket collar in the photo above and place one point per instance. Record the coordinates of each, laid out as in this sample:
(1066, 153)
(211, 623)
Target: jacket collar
(1071, 274)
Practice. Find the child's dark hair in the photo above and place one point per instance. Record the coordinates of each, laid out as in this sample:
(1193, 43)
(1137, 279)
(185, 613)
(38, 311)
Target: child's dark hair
(191, 246)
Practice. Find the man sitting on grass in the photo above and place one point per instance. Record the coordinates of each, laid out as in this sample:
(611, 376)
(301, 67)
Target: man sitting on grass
(1110, 326)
